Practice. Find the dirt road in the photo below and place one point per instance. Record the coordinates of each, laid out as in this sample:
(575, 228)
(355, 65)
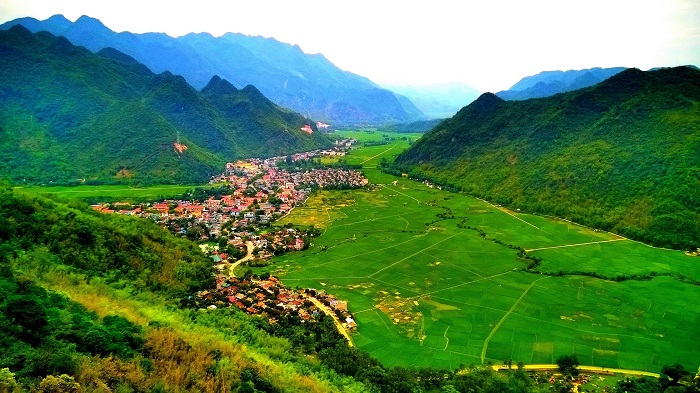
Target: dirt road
(330, 313)
(250, 247)
(585, 369)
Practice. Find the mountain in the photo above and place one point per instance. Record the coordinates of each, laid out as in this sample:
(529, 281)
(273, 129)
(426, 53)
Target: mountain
(439, 101)
(548, 83)
(309, 84)
(621, 155)
(420, 126)
(67, 113)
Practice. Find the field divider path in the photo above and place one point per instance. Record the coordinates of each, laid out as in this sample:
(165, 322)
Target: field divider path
(324, 278)
(466, 283)
(382, 319)
(413, 255)
(447, 340)
(539, 320)
(508, 213)
(575, 245)
(375, 156)
(374, 219)
(498, 325)
(404, 194)
(369, 252)
(453, 265)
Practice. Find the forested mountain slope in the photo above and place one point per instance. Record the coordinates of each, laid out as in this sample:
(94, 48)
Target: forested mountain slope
(67, 114)
(308, 83)
(621, 155)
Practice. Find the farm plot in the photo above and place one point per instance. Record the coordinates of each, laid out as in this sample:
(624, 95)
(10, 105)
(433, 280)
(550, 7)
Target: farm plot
(637, 324)
(432, 282)
(115, 192)
(626, 258)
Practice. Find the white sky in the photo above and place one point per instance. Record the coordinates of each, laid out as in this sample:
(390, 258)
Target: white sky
(489, 45)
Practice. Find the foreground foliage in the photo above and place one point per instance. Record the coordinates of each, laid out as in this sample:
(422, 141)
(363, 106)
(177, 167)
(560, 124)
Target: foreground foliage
(136, 254)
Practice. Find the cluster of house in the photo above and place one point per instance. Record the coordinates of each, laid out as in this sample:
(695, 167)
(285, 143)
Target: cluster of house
(261, 192)
(280, 241)
(264, 244)
(268, 297)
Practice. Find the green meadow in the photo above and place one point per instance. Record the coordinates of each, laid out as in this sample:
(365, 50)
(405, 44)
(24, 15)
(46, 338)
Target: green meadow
(114, 192)
(432, 280)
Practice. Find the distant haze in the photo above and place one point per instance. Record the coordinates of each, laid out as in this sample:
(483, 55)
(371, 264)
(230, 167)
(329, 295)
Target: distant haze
(438, 101)
(487, 45)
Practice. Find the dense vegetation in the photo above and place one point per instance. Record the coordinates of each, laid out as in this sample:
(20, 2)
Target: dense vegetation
(309, 84)
(115, 265)
(619, 156)
(130, 253)
(69, 114)
(44, 333)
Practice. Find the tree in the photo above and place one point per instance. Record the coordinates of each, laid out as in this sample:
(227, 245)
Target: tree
(568, 364)
(62, 384)
(638, 385)
(671, 375)
(8, 384)
(27, 312)
(448, 389)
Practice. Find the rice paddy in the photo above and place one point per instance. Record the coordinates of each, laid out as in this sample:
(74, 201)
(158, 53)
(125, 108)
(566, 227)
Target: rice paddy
(434, 289)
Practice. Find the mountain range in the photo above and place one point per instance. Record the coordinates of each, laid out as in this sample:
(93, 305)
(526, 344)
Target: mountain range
(67, 113)
(439, 101)
(308, 84)
(548, 83)
(621, 155)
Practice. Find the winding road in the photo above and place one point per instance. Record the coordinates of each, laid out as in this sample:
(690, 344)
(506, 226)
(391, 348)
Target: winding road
(250, 247)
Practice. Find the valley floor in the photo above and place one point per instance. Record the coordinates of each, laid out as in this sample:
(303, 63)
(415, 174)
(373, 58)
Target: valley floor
(440, 279)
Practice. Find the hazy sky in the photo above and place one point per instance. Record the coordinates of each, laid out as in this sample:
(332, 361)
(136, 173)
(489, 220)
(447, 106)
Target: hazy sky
(489, 45)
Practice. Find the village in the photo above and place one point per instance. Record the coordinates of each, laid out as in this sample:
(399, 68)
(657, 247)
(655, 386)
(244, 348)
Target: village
(256, 193)
(233, 227)
(266, 296)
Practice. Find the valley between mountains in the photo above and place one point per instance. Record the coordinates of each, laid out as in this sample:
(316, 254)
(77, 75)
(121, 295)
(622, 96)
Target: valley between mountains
(231, 214)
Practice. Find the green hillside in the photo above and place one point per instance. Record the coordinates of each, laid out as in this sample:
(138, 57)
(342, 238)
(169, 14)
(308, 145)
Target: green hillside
(68, 114)
(620, 156)
(95, 297)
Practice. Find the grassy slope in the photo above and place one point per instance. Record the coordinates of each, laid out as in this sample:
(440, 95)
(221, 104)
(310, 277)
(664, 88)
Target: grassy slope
(383, 248)
(140, 273)
(619, 156)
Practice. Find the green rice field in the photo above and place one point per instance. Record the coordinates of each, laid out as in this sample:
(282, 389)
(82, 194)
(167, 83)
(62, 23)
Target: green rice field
(116, 192)
(432, 281)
